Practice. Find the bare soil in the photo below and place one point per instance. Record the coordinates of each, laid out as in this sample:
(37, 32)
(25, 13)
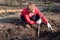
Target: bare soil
(13, 29)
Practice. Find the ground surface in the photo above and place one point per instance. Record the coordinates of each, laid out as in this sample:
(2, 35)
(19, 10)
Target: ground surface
(13, 29)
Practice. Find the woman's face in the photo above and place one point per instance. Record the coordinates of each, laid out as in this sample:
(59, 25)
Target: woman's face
(31, 8)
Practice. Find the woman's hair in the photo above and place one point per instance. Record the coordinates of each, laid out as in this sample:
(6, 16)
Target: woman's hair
(30, 6)
(30, 3)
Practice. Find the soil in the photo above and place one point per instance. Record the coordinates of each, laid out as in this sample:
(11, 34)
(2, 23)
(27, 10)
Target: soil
(13, 29)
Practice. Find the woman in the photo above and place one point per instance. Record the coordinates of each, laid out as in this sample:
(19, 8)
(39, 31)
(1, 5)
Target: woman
(32, 15)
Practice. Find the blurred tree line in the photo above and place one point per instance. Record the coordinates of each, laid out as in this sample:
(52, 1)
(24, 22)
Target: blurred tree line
(22, 3)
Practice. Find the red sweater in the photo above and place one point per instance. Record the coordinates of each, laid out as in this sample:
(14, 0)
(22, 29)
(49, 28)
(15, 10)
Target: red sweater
(27, 16)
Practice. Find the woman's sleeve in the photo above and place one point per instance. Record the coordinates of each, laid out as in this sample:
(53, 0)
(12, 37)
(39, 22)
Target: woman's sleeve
(44, 19)
(28, 19)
